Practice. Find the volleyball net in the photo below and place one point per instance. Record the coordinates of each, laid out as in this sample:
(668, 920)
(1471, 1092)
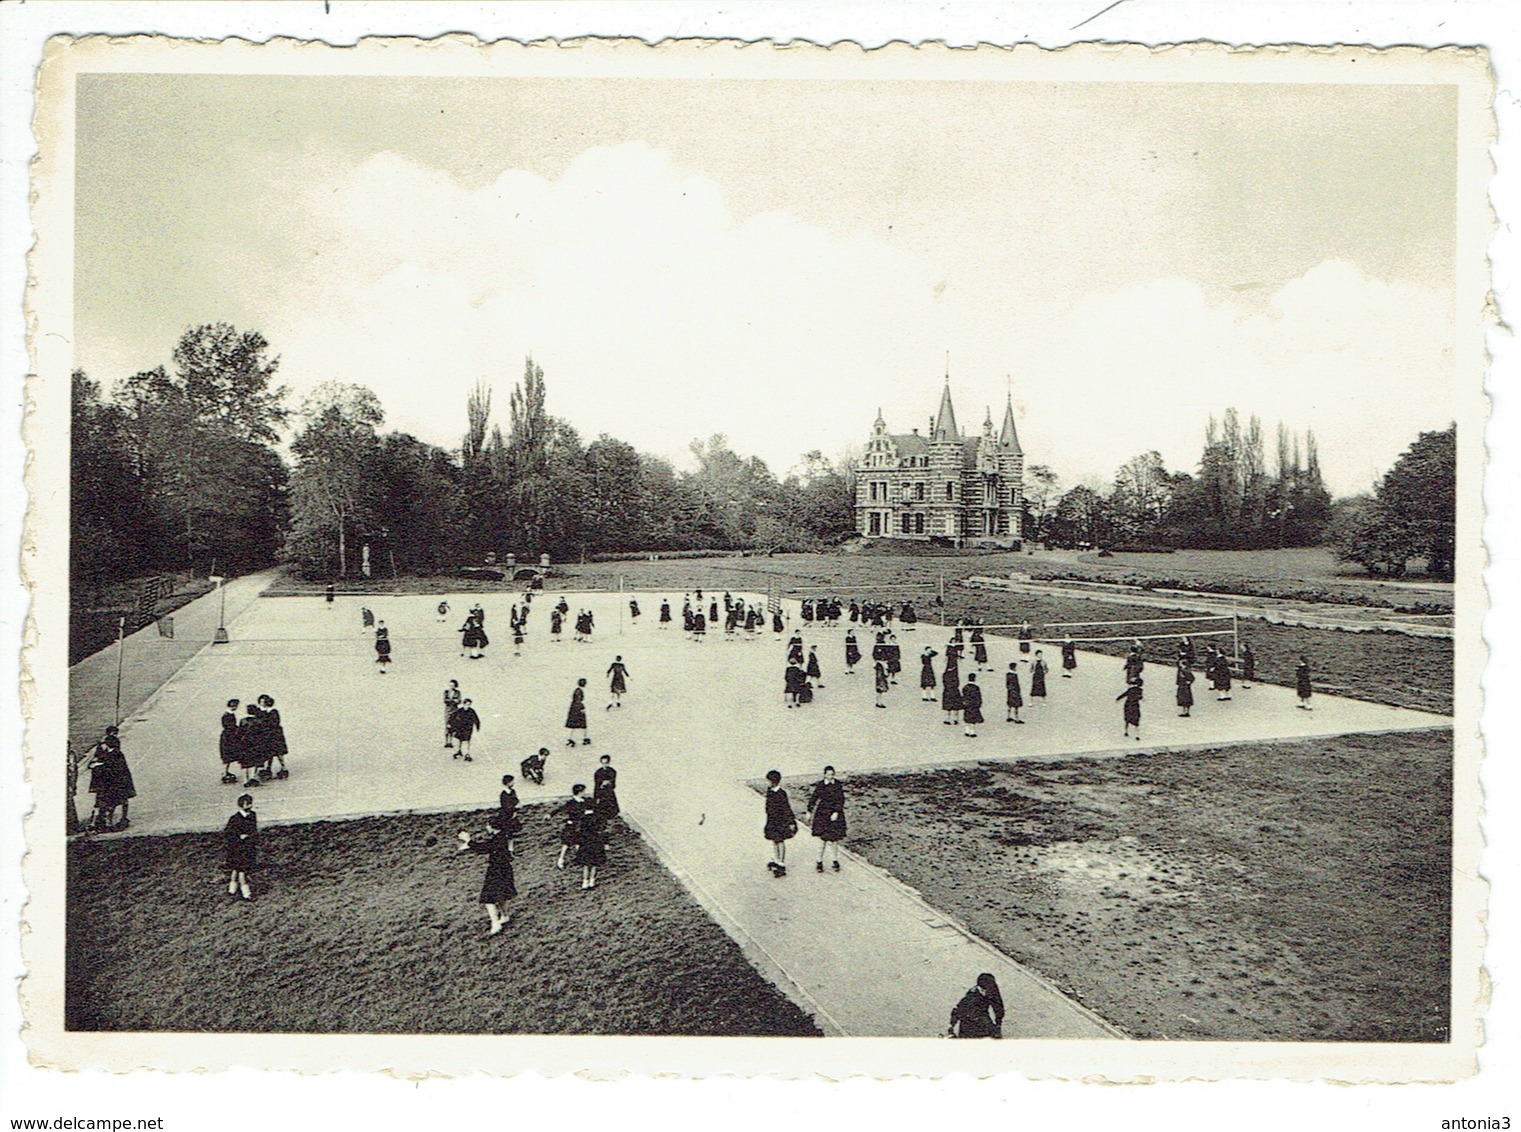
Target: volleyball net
(1135, 630)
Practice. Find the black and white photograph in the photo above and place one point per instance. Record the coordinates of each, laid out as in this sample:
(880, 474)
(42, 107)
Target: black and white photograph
(489, 500)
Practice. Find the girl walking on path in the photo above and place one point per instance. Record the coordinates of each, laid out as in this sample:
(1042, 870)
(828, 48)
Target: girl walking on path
(1223, 676)
(575, 718)
(1069, 658)
(1038, 678)
(971, 706)
(570, 822)
(894, 656)
(882, 682)
(275, 734)
(979, 650)
(792, 685)
(240, 847)
(1132, 698)
(452, 698)
(1185, 690)
(464, 723)
(111, 783)
(826, 817)
(1013, 698)
(852, 653)
(979, 1014)
(1248, 664)
(927, 674)
(507, 819)
(251, 745)
(617, 672)
(665, 614)
(499, 885)
(605, 789)
(950, 686)
(1302, 684)
(556, 623)
(781, 823)
(227, 745)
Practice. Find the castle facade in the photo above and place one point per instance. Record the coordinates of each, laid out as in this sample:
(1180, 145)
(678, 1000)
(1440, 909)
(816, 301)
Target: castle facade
(943, 484)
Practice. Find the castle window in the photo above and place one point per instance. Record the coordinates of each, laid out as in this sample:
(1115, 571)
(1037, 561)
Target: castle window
(918, 524)
(950, 491)
(918, 491)
(873, 487)
(905, 522)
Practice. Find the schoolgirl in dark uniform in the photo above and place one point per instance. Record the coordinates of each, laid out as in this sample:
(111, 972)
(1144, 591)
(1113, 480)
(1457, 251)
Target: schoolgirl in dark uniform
(971, 706)
(665, 614)
(781, 823)
(1302, 686)
(792, 685)
(1185, 690)
(979, 650)
(814, 672)
(240, 847)
(633, 611)
(382, 647)
(927, 674)
(795, 649)
(1248, 664)
(1013, 698)
(893, 656)
(556, 623)
(591, 845)
(852, 652)
(533, 766)
(275, 745)
(570, 822)
(463, 724)
(617, 671)
(1025, 634)
(950, 686)
(882, 682)
(1038, 678)
(575, 717)
(251, 745)
(605, 789)
(1132, 698)
(507, 819)
(227, 745)
(1069, 658)
(499, 885)
(979, 1014)
(826, 817)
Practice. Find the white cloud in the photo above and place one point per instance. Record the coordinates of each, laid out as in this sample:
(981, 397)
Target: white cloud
(659, 317)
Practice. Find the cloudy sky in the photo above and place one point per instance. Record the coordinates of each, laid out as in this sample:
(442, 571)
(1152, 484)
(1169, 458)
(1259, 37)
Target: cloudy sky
(776, 260)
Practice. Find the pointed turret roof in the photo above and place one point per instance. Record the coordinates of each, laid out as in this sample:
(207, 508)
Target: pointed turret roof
(1009, 438)
(945, 419)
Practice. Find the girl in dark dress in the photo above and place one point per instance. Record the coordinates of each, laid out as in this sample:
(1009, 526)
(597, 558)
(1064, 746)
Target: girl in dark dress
(617, 682)
(781, 823)
(463, 724)
(792, 685)
(699, 626)
(1038, 678)
(979, 1014)
(927, 674)
(665, 614)
(570, 822)
(227, 745)
(882, 683)
(795, 649)
(1013, 698)
(507, 819)
(950, 685)
(852, 652)
(893, 656)
(517, 638)
(556, 623)
(367, 616)
(1223, 676)
(1185, 690)
(382, 647)
(240, 847)
(1069, 658)
(575, 718)
(274, 734)
(591, 845)
(1025, 634)
(533, 766)
(1248, 664)
(499, 885)
(979, 650)
(1135, 664)
(633, 611)
(813, 670)
(971, 706)
(605, 789)
(777, 625)
(111, 783)
(1132, 698)
(1302, 686)
(826, 817)
(251, 744)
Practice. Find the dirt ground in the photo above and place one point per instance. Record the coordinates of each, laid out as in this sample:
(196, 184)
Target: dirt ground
(361, 926)
(1307, 901)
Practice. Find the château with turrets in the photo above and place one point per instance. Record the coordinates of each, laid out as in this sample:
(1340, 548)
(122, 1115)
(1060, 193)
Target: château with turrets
(942, 485)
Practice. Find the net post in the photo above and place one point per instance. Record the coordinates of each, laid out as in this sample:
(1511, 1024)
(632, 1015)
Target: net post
(1235, 635)
(620, 605)
(940, 592)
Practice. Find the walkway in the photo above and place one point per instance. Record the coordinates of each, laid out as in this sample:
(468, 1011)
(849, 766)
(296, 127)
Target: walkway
(702, 723)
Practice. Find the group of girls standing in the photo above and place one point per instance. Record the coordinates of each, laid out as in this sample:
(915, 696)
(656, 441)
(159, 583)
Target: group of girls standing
(825, 817)
(253, 743)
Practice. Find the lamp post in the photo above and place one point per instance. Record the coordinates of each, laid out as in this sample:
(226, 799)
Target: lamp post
(220, 638)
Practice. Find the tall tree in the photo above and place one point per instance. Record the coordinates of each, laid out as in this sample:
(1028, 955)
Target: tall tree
(335, 452)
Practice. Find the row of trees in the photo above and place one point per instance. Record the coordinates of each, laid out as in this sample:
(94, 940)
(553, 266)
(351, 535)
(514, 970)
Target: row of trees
(1235, 501)
(1412, 513)
(534, 489)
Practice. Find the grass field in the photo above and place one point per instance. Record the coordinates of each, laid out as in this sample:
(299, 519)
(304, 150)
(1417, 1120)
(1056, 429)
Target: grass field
(359, 926)
(1272, 891)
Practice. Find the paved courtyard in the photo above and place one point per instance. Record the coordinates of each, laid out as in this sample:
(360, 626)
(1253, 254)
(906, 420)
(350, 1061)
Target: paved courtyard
(700, 722)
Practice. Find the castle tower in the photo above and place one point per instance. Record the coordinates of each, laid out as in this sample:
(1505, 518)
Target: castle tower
(1011, 474)
(947, 458)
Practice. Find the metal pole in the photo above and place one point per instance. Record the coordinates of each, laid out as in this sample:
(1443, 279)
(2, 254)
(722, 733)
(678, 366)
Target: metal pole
(121, 640)
(1235, 635)
(220, 637)
(620, 605)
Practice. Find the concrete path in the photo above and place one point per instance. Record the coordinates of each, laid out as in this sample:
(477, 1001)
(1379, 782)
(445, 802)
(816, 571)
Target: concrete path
(700, 724)
(148, 660)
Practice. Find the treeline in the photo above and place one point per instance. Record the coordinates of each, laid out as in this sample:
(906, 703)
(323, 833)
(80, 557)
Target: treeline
(1412, 512)
(535, 488)
(1237, 500)
(178, 471)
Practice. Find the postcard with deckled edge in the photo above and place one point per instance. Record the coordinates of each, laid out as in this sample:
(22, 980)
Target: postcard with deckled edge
(722, 558)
